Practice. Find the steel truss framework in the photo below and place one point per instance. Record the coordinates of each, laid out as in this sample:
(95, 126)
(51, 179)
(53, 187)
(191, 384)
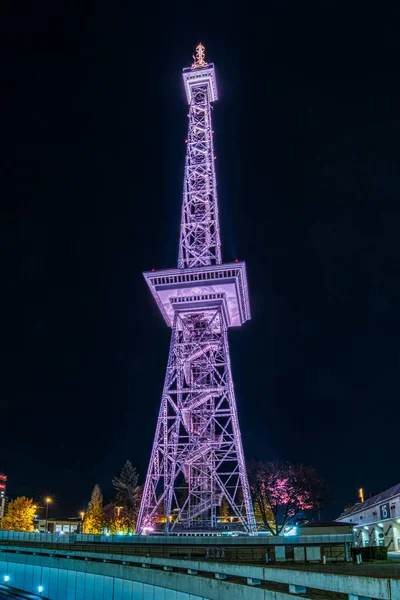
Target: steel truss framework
(197, 457)
(199, 240)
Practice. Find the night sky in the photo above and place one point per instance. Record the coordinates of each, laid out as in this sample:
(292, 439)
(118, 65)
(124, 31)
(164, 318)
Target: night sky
(307, 138)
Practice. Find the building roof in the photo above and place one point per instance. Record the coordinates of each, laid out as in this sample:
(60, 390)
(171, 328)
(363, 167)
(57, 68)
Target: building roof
(60, 520)
(360, 506)
(317, 524)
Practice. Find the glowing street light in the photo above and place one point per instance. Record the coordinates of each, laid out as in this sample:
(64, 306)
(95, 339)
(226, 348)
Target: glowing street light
(6, 578)
(48, 501)
(82, 515)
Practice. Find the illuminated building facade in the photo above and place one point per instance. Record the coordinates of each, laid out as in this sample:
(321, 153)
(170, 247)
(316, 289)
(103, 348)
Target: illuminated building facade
(197, 458)
(376, 521)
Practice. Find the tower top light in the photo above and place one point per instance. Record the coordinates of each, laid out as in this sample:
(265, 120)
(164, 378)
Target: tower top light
(199, 58)
(201, 72)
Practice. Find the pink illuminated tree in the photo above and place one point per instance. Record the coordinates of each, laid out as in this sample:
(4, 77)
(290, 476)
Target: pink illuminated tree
(282, 490)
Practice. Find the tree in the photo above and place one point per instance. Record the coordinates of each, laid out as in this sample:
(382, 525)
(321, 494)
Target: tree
(128, 494)
(94, 520)
(20, 515)
(224, 509)
(116, 519)
(281, 490)
(262, 513)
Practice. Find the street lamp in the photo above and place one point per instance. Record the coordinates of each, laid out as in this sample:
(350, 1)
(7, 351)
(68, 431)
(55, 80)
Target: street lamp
(82, 514)
(118, 522)
(35, 506)
(48, 501)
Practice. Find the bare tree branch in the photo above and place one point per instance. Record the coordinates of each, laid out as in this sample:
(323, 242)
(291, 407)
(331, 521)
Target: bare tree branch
(282, 490)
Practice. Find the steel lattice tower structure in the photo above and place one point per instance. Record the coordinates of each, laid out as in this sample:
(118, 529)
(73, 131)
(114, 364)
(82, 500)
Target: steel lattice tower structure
(197, 457)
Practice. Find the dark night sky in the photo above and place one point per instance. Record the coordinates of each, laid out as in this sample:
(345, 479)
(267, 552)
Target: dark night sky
(307, 134)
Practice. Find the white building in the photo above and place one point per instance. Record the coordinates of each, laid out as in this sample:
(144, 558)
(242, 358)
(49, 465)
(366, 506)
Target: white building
(55, 525)
(376, 521)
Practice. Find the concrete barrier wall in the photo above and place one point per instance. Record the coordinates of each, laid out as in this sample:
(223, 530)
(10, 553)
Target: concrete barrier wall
(190, 540)
(375, 587)
(70, 584)
(20, 536)
(98, 576)
(69, 579)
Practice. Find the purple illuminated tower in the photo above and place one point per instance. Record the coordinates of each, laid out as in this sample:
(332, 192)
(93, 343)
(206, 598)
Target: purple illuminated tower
(197, 457)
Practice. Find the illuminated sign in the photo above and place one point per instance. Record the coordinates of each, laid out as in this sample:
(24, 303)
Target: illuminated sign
(385, 511)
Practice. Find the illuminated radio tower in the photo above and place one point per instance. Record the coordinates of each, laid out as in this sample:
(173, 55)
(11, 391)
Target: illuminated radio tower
(197, 458)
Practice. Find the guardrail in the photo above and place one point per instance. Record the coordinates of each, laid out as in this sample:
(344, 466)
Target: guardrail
(227, 540)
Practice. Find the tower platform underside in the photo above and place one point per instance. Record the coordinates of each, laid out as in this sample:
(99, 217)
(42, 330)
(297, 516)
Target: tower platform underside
(196, 289)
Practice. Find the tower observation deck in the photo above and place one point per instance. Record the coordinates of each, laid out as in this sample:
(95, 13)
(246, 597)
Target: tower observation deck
(197, 459)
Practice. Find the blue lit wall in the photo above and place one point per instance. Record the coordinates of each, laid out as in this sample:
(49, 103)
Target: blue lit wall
(61, 584)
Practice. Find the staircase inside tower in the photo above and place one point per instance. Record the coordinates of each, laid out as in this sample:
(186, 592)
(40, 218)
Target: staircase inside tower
(202, 387)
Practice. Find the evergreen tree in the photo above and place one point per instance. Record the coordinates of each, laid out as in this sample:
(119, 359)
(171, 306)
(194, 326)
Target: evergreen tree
(94, 519)
(128, 495)
(116, 519)
(20, 515)
(224, 509)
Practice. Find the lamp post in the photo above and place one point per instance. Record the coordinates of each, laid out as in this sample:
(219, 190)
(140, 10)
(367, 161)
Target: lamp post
(35, 506)
(48, 501)
(118, 509)
(82, 514)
